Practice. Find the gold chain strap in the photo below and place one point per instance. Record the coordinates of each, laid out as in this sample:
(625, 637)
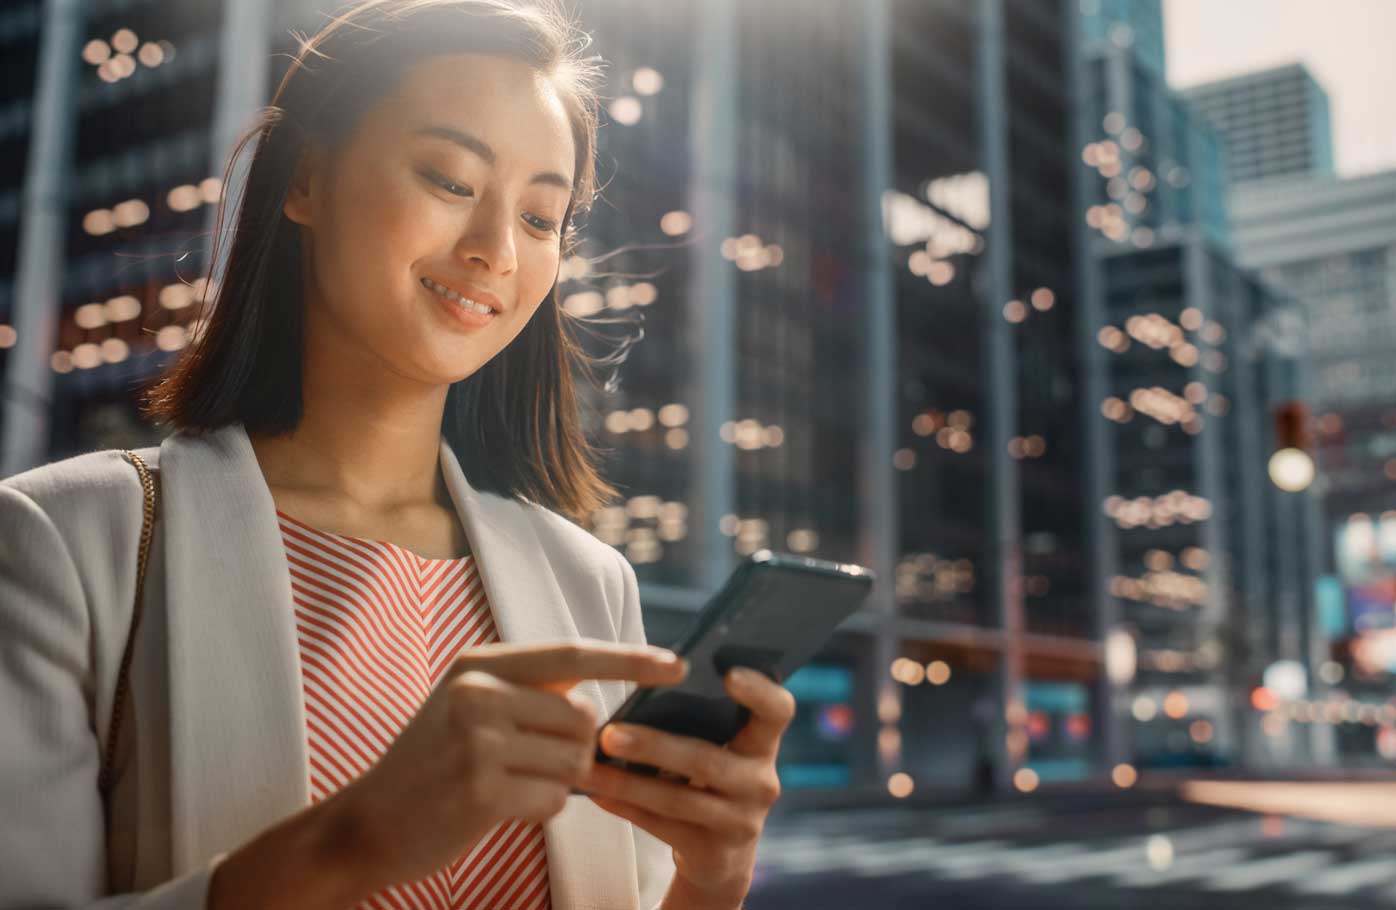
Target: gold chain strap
(104, 781)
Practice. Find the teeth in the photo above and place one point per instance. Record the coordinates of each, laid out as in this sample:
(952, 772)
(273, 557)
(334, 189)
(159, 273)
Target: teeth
(452, 295)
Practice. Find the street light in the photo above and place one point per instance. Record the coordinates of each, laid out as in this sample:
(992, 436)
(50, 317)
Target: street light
(1121, 657)
(1292, 467)
(1292, 470)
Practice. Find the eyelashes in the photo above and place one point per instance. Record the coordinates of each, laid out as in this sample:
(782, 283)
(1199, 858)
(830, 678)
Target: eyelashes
(454, 189)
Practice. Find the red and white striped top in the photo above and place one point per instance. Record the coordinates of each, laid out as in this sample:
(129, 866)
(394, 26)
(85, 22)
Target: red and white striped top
(376, 625)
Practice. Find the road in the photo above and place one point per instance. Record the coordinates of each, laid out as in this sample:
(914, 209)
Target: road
(1092, 852)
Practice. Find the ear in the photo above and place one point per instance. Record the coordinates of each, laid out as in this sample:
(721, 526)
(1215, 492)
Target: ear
(305, 181)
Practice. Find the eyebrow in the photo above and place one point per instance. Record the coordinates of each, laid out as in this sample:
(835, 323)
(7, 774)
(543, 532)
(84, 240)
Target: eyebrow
(481, 148)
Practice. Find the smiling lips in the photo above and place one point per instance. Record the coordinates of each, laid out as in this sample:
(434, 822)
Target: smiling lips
(483, 309)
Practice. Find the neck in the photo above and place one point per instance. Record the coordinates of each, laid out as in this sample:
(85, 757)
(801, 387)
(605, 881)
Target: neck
(373, 443)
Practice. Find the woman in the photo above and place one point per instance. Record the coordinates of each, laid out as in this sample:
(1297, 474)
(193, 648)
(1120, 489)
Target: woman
(373, 651)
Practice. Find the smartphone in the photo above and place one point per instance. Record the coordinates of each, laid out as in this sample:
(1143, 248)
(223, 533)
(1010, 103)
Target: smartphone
(773, 614)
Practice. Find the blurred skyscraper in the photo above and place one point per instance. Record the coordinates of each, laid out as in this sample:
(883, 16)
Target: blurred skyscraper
(1176, 181)
(871, 335)
(1275, 122)
(19, 52)
(1187, 378)
(1331, 243)
(116, 145)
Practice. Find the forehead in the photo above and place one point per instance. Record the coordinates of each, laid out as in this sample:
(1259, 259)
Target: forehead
(503, 101)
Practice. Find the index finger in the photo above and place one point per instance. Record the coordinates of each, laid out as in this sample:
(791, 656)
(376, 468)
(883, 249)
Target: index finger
(559, 667)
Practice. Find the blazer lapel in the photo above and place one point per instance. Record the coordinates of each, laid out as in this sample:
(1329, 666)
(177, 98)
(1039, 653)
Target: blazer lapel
(591, 854)
(237, 723)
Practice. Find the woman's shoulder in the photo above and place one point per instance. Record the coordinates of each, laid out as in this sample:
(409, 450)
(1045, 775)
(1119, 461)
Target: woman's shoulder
(83, 489)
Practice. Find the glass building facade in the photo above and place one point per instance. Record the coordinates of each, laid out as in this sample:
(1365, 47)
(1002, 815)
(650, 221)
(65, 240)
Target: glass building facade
(1331, 243)
(1212, 570)
(1275, 122)
(874, 354)
(122, 134)
(1217, 571)
(1162, 166)
(1133, 24)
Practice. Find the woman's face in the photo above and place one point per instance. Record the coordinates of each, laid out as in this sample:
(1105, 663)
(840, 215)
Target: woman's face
(460, 178)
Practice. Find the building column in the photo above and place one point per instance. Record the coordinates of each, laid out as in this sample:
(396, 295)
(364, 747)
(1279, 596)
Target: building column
(1250, 642)
(42, 223)
(878, 519)
(1303, 526)
(1102, 544)
(1323, 743)
(995, 288)
(712, 124)
(1214, 534)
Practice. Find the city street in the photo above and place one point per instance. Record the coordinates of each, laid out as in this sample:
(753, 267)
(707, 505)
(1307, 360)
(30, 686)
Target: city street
(1098, 853)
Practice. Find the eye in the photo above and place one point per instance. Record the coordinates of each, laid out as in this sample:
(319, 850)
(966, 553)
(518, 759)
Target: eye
(454, 189)
(542, 224)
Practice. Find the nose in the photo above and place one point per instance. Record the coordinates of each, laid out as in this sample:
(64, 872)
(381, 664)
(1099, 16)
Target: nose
(488, 238)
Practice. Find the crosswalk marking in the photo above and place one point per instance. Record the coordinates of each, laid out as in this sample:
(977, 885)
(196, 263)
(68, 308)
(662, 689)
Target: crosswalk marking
(1101, 861)
(915, 858)
(1095, 862)
(1185, 867)
(1268, 871)
(815, 859)
(778, 848)
(1003, 861)
(1350, 876)
(1219, 856)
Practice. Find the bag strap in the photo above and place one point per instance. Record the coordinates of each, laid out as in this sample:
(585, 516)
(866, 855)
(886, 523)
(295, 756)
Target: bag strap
(148, 487)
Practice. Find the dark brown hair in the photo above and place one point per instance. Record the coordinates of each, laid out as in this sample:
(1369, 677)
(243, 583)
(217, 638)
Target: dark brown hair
(514, 424)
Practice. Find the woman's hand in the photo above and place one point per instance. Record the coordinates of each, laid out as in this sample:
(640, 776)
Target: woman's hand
(500, 736)
(714, 821)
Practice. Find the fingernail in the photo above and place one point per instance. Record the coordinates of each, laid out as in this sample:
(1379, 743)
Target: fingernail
(619, 738)
(742, 676)
(665, 655)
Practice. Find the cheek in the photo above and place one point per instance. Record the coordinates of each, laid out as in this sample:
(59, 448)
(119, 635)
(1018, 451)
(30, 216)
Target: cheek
(537, 272)
(405, 228)
(373, 242)
(377, 229)
(534, 280)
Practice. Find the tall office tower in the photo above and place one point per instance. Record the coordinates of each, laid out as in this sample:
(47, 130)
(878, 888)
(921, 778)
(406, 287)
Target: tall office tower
(1331, 243)
(1274, 122)
(1216, 565)
(1172, 315)
(116, 142)
(854, 348)
(1162, 167)
(989, 578)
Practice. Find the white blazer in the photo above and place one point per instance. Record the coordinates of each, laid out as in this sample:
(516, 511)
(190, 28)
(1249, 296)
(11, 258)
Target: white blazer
(215, 743)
